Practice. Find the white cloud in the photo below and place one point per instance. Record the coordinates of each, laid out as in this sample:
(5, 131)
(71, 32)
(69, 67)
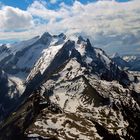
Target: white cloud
(39, 9)
(53, 1)
(100, 16)
(113, 26)
(14, 19)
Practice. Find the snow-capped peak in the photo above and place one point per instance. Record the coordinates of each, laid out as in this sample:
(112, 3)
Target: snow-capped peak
(115, 55)
(45, 38)
(62, 35)
(129, 58)
(80, 40)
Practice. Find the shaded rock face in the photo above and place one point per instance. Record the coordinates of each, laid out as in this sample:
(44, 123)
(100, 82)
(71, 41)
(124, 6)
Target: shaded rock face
(3, 91)
(9, 94)
(73, 91)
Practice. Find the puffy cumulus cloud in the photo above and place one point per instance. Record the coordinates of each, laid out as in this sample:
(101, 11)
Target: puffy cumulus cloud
(14, 19)
(39, 9)
(111, 25)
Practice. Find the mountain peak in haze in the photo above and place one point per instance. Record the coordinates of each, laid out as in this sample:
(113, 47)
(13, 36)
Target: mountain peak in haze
(115, 55)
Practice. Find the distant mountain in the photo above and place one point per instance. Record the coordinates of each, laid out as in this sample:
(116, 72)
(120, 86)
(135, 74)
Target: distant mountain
(134, 61)
(120, 61)
(70, 90)
(129, 62)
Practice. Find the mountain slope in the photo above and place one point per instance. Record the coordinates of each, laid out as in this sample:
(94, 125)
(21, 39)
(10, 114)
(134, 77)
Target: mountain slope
(19, 58)
(10, 91)
(75, 91)
(94, 59)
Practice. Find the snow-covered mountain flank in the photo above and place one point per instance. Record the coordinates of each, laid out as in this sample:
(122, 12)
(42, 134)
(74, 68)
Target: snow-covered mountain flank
(52, 87)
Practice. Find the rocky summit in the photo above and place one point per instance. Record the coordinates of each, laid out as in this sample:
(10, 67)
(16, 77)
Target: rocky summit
(56, 88)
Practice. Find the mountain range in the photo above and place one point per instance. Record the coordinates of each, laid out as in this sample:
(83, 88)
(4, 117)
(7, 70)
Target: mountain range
(57, 88)
(128, 62)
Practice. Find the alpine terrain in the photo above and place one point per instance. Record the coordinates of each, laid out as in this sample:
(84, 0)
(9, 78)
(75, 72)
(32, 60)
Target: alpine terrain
(129, 62)
(56, 88)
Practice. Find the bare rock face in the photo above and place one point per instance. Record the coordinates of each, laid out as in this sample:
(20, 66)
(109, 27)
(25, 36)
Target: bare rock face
(74, 91)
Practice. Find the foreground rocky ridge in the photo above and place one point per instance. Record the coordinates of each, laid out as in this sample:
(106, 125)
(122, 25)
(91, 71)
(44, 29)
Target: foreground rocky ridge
(75, 91)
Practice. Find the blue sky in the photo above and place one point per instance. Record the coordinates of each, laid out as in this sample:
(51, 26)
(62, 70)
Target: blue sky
(23, 4)
(110, 24)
